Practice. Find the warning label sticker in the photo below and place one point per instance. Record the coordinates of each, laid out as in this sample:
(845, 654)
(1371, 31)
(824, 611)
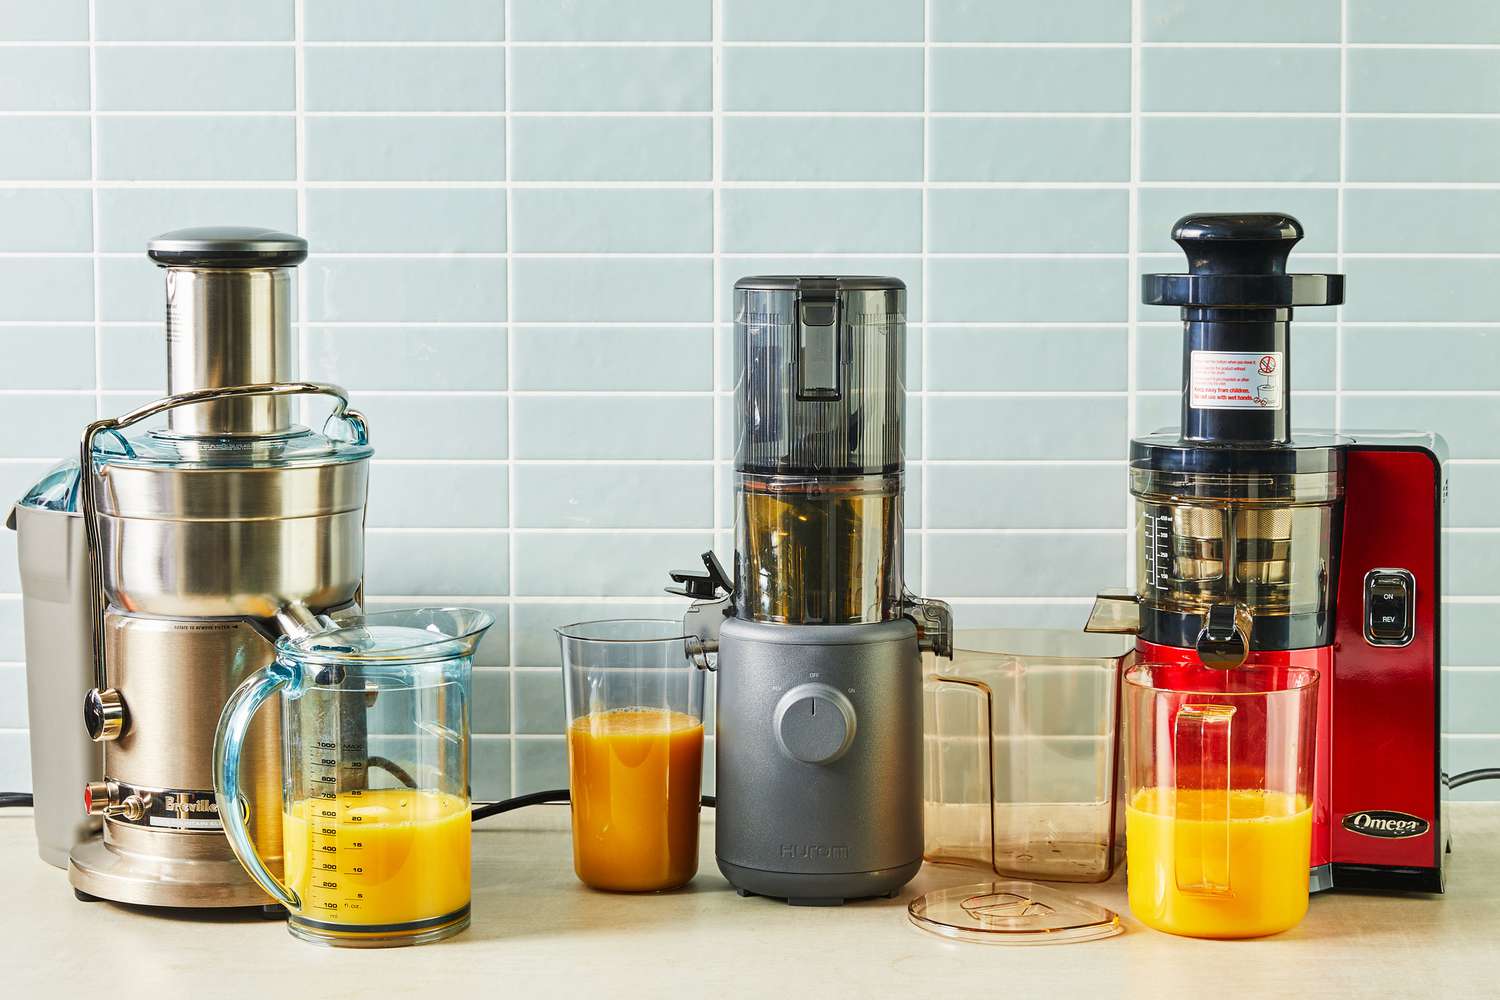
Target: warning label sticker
(1236, 380)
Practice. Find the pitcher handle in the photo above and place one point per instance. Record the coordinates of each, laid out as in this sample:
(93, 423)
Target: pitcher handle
(974, 698)
(229, 741)
(1201, 764)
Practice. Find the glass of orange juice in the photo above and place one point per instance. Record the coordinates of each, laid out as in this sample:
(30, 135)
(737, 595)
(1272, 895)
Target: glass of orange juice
(635, 752)
(1218, 823)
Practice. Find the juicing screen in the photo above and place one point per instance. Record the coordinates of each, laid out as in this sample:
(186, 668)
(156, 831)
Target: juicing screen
(386, 856)
(635, 776)
(1260, 852)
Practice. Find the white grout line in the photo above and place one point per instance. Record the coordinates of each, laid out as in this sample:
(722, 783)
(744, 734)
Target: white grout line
(1340, 221)
(925, 583)
(300, 81)
(716, 101)
(95, 228)
(1132, 304)
(748, 44)
(510, 378)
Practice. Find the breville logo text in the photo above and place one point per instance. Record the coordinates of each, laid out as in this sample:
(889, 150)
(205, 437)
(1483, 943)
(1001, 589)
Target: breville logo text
(1385, 823)
(815, 852)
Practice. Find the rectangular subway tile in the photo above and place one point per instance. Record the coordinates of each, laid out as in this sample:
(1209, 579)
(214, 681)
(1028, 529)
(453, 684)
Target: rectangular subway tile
(601, 564)
(436, 563)
(1421, 221)
(822, 149)
(1471, 699)
(1388, 289)
(1470, 424)
(1471, 497)
(44, 148)
(541, 763)
(490, 713)
(1470, 752)
(12, 689)
(810, 78)
(1251, 79)
(128, 217)
(1240, 149)
(405, 78)
(822, 21)
(195, 21)
(47, 288)
(1424, 80)
(988, 21)
(539, 706)
(611, 21)
(1025, 496)
(405, 149)
(1421, 358)
(437, 496)
(403, 21)
(1030, 149)
(131, 290)
(456, 289)
(397, 220)
(15, 760)
(821, 221)
(1026, 427)
(965, 220)
(411, 357)
(1234, 21)
(57, 21)
(595, 78)
(490, 764)
(623, 220)
(45, 426)
(47, 357)
(1018, 79)
(612, 289)
(614, 427)
(435, 426)
(45, 221)
(1316, 208)
(1430, 150)
(47, 78)
(1064, 359)
(1472, 562)
(197, 148)
(1086, 291)
(536, 621)
(613, 358)
(1469, 628)
(130, 358)
(614, 496)
(580, 148)
(224, 78)
(1057, 564)
(1470, 22)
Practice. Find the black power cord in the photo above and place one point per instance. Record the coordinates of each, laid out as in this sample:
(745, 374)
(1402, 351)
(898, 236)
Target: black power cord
(14, 799)
(552, 795)
(1478, 774)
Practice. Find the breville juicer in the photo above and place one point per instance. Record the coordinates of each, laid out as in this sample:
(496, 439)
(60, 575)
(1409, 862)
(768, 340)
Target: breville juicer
(819, 722)
(206, 540)
(1258, 548)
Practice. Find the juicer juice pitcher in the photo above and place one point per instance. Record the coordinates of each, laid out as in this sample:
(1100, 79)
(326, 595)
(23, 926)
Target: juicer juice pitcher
(375, 801)
(1218, 823)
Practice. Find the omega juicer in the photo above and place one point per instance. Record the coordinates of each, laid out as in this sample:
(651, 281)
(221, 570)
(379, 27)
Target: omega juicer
(819, 704)
(207, 539)
(1258, 549)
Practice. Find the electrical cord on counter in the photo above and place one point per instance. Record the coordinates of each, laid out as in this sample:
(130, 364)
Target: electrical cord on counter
(549, 797)
(1478, 774)
(14, 799)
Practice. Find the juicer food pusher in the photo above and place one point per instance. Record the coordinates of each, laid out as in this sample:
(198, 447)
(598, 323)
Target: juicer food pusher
(205, 541)
(819, 700)
(1257, 547)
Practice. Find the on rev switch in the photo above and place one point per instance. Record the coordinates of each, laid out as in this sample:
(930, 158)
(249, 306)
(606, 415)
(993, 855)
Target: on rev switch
(1389, 598)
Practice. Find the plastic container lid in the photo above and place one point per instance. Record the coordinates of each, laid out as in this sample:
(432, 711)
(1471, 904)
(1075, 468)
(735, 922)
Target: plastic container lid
(158, 449)
(1013, 913)
(57, 490)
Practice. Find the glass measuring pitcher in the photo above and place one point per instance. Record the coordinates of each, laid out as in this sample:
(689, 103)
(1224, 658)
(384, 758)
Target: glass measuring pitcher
(1218, 825)
(375, 797)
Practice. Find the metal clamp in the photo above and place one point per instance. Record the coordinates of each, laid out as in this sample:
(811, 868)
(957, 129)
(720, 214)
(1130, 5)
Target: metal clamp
(87, 490)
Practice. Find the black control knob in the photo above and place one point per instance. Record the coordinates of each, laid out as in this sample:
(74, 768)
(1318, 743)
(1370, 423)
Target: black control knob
(104, 715)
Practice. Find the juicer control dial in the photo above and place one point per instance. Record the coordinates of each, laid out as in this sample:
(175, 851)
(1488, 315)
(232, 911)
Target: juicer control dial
(814, 723)
(104, 715)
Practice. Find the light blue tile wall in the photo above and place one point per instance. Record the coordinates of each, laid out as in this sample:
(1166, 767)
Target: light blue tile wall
(527, 218)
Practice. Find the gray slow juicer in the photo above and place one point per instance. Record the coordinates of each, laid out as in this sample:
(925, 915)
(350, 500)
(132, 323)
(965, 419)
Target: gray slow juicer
(819, 716)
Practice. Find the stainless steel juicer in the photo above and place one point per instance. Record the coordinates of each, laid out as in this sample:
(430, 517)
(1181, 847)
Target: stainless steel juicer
(205, 541)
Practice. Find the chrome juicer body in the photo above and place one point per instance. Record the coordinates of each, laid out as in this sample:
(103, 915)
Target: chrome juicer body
(206, 541)
(819, 699)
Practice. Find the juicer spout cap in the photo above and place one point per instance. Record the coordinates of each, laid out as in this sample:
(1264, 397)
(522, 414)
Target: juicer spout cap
(1239, 260)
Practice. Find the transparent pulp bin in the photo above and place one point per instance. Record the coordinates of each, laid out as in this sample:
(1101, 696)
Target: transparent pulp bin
(1022, 736)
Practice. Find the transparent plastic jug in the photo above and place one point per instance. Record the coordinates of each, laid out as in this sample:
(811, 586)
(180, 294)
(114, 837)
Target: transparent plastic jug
(375, 803)
(1021, 730)
(1219, 814)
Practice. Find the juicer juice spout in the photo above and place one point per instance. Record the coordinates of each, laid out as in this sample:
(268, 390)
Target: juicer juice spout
(1115, 613)
(934, 621)
(1224, 641)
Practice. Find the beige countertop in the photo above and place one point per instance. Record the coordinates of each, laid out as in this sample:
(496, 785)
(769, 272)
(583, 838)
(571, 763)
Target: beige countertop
(538, 933)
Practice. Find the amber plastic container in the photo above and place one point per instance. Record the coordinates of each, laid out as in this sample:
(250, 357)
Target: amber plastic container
(1022, 750)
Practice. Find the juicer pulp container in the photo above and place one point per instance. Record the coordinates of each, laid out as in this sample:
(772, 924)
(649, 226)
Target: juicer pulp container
(1021, 737)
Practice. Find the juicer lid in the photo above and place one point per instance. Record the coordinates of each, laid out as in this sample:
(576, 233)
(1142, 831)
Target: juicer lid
(1309, 452)
(1239, 260)
(160, 449)
(228, 247)
(831, 282)
(1011, 913)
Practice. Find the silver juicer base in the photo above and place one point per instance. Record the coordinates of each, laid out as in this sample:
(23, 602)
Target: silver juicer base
(103, 870)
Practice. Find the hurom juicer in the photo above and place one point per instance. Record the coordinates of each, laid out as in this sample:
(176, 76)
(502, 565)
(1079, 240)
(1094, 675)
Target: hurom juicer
(819, 708)
(1258, 549)
(206, 540)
